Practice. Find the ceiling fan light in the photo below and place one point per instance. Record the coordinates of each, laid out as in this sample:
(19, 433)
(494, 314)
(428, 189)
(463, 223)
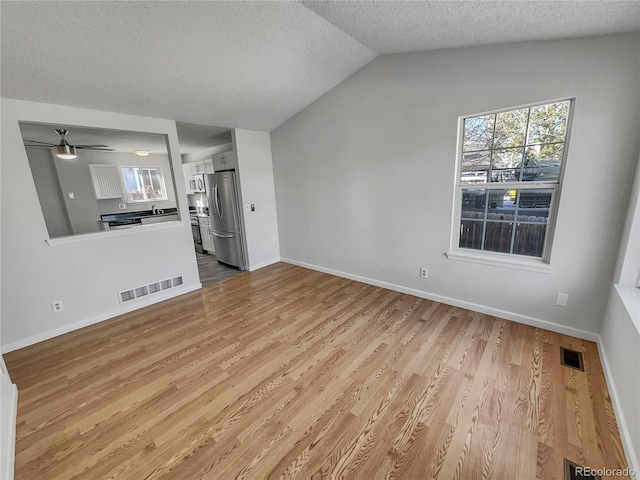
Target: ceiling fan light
(141, 153)
(66, 152)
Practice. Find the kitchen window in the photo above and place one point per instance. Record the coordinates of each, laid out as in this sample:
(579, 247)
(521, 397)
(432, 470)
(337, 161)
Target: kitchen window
(508, 182)
(143, 184)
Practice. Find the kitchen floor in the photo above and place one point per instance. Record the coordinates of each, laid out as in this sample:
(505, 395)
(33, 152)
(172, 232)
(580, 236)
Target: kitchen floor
(212, 271)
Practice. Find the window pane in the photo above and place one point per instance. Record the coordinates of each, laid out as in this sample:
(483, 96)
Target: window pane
(475, 166)
(478, 133)
(471, 234)
(473, 203)
(510, 128)
(526, 210)
(548, 123)
(143, 184)
(533, 215)
(529, 239)
(501, 205)
(543, 163)
(535, 202)
(498, 237)
(506, 165)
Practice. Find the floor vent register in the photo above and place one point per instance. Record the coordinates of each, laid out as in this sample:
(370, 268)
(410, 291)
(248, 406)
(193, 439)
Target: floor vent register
(576, 472)
(571, 358)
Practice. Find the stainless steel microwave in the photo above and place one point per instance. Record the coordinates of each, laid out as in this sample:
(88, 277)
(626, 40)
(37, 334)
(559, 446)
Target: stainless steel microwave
(196, 184)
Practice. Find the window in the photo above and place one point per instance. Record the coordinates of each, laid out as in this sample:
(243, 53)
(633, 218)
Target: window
(509, 178)
(143, 184)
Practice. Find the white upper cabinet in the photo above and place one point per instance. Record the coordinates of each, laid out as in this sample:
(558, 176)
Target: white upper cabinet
(186, 170)
(107, 181)
(208, 166)
(225, 161)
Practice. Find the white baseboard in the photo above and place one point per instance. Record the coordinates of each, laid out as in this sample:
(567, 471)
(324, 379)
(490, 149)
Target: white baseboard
(258, 266)
(152, 299)
(625, 436)
(516, 317)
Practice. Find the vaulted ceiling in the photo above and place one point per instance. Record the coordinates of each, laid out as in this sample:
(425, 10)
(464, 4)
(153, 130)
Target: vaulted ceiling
(250, 64)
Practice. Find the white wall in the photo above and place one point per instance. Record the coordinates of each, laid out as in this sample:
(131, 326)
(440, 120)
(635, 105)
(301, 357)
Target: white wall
(47, 184)
(364, 176)
(620, 334)
(86, 272)
(206, 153)
(255, 171)
(620, 352)
(8, 400)
(8, 412)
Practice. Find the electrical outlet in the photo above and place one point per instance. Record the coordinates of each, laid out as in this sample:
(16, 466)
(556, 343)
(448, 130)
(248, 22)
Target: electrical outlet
(57, 306)
(424, 272)
(122, 206)
(562, 299)
(275, 246)
(71, 195)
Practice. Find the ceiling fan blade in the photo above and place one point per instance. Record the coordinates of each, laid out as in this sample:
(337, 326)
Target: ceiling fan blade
(43, 143)
(97, 148)
(39, 146)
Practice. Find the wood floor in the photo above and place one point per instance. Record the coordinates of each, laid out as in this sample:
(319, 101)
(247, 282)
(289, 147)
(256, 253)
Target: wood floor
(210, 270)
(290, 373)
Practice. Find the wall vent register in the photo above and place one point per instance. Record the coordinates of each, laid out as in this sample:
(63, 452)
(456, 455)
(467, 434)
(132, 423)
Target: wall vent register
(571, 358)
(146, 290)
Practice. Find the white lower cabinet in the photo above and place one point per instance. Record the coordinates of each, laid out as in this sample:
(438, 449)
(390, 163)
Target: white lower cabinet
(206, 234)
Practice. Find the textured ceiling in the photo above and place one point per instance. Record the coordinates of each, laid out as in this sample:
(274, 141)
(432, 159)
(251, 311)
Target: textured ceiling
(249, 64)
(233, 64)
(408, 26)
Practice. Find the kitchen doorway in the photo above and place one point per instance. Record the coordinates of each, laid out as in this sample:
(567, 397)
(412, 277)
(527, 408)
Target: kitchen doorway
(212, 271)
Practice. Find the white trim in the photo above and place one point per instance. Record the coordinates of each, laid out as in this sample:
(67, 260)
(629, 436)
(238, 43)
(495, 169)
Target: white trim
(173, 292)
(257, 266)
(52, 242)
(516, 317)
(556, 185)
(630, 298)
(625, 436)
(8, 431)
(9, 455)
(496, 260)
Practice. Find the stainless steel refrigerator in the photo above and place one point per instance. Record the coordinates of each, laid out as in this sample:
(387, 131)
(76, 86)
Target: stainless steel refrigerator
(226, 225)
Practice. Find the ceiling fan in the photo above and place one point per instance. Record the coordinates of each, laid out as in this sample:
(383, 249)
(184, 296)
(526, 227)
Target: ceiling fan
(64, 149)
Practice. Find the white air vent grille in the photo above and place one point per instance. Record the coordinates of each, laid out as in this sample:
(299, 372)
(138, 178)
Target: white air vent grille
(142, 291)
(152, 288)
(126, 296)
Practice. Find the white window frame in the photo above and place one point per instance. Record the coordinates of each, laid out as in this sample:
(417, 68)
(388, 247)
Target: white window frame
(128, 198)
(510, 260)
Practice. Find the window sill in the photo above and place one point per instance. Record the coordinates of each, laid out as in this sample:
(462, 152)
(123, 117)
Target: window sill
(52, 242)
(630, 298)
(530, 265)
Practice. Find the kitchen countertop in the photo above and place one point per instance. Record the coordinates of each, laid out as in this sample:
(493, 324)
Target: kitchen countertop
(114, 217)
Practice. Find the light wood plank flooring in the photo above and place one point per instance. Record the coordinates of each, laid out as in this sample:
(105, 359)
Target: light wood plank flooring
(290, 373)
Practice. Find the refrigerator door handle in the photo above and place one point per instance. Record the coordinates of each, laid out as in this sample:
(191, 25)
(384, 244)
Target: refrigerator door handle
(216, 201)
(221, 236)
